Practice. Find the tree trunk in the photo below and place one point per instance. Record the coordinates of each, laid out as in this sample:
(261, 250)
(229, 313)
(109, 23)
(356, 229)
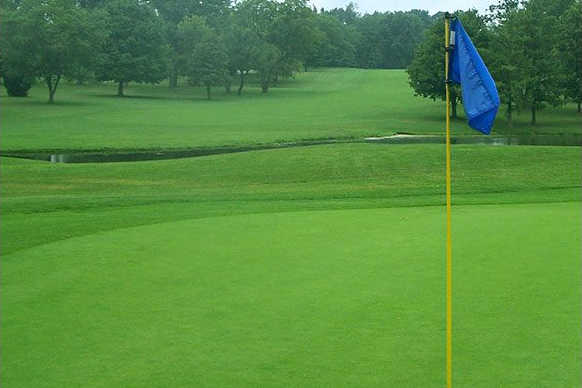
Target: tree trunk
(578, 106)
(120, 89)
(533, 115)
(173, 78)
(49, 84)
(242, 82)
(265, 87)
(52, 86)
(208, 91)
(509, 113)
(454, 107)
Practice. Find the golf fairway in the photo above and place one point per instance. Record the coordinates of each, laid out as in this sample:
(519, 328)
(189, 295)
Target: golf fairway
(320, 298)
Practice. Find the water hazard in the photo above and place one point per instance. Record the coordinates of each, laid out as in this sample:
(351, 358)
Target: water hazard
(120, 156)
(542, 140)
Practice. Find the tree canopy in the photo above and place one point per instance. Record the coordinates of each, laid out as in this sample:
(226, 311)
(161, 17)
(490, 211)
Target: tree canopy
(135, 49)
(48, 39)
(530, 46)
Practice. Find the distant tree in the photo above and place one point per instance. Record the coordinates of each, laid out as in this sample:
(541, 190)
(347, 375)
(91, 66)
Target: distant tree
(503, 10)
(348, 15)
(208, 64)
(136, 49)
(206, 59)
(570, 52)
(504, 54)
(257, 15)
(388, 40)
(91, 3)
(335, 47)
(538, 71)
(243, 46)
(17, 71)
(426, 73)
(267, 63)
(368, 47)
(294, 33)
(10, 4)
(215, 13)
(59, 38)
(287, 26)
(402, 32)
(16, 85)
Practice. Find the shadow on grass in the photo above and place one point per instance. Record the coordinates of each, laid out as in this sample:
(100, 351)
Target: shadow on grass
(57, 102)
(191, 98)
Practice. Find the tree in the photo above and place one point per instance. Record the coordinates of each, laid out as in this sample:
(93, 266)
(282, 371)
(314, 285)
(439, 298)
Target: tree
(400, 34)
(335, 46)
(17, 70)
(206, 59)
(59, 38)
(504, 54)
(16, 85)
(266, 64)
(368, 50)
(208, 63)
(387, 40)
(215, 13)
(90, 3)
(287, 26)
(294, 33)
(243, 46)
(426, 73)
(136, 49)
(257, 15)
(570, 52)
(347, 16)
(538, 69)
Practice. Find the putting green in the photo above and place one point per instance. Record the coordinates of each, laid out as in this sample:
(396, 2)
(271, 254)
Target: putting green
(323, 298)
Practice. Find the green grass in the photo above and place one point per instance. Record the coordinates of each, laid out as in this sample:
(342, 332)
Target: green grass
(311, 266)
(341, 298)
(332, 103)
(233, 278)
(317, 177)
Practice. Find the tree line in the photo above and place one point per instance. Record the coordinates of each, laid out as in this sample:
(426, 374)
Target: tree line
(532, 47)
(533, 50)
(210, 43)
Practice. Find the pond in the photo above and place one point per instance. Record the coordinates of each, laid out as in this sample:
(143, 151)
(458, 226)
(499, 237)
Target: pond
(121, 156)
(543, 140)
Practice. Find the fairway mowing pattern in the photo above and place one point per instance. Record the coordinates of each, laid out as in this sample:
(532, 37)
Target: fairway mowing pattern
(325, 298)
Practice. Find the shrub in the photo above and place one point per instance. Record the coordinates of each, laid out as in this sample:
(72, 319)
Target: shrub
(17, 86)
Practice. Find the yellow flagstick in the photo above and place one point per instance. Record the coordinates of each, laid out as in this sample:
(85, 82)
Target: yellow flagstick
(449, 288)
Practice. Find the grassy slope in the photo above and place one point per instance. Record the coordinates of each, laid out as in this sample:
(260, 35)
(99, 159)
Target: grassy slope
(334, 176)
(320, 104)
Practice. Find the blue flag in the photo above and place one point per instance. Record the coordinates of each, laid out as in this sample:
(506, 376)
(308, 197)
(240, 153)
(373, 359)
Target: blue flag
(480, 97)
